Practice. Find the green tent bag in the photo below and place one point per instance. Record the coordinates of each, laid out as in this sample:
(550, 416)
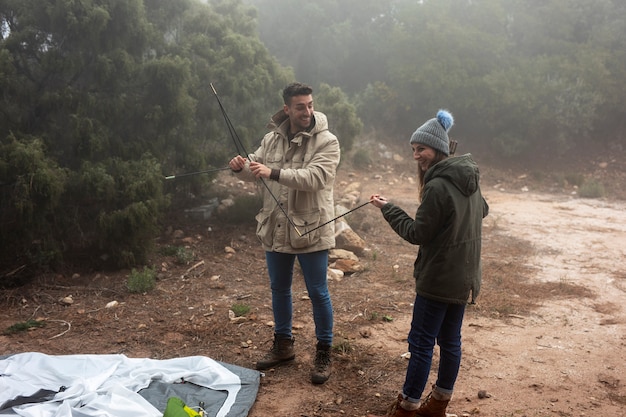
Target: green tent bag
(177, 408)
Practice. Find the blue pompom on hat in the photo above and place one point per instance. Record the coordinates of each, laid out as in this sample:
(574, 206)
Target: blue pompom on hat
(434, 133)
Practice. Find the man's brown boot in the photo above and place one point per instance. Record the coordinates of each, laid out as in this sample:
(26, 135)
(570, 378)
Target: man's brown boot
(281, 353)
(434, 405)
(321, 365)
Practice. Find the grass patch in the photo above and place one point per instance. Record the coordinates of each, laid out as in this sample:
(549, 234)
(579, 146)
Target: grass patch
(240, 309)
(23, 326)
(506, 287)
(344, 347)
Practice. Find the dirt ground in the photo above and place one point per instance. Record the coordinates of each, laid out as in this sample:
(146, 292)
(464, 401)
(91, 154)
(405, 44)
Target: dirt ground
(546, 338)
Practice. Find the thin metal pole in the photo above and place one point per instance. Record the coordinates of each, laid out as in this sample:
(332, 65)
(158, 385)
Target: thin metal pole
(338, 217)
(241, 149)
(171, 177)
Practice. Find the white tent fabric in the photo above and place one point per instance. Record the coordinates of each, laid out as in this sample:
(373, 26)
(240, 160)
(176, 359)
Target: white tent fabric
(104, 385)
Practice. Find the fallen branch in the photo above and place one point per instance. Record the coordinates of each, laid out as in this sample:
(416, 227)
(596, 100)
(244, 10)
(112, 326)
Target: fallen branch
(69, 326)
(192, 268)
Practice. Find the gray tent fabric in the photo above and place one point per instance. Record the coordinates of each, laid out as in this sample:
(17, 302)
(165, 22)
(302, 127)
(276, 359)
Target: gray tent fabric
(158, 393)
(39, 385)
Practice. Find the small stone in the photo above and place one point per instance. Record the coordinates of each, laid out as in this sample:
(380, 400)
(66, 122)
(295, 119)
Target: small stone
(483, 394)
(66, 301)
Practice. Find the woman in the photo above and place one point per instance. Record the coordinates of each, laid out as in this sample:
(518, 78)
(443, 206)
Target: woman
(447, 227)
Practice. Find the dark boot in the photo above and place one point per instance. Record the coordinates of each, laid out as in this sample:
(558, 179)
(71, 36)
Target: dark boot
(396, 409)
(434, 405)
(321, 366)
(282, 352)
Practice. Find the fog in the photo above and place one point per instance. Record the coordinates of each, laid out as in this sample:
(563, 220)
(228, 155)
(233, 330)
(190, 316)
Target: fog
(516, 75)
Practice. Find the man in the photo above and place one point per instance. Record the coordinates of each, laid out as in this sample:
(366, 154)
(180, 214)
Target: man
(297, 160)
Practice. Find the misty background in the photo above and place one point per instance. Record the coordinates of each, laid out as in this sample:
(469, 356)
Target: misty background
(101, 99)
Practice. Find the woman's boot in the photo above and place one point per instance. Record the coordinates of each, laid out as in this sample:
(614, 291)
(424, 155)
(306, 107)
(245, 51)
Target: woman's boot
(398, 409)
(434, 405)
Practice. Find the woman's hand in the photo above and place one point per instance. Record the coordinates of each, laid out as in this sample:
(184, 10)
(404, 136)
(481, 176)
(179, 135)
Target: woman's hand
(378, 200)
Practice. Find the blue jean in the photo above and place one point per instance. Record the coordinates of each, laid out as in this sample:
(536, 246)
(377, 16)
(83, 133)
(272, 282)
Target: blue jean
(314, 267)
(433, 321)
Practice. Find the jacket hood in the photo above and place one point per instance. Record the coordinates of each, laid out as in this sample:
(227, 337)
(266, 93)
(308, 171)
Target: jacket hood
(280, 121)
(461, 171)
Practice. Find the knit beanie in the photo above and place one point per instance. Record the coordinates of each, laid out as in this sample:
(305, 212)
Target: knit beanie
(434, 133)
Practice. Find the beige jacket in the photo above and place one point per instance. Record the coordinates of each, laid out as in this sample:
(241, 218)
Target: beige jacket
(304, 190)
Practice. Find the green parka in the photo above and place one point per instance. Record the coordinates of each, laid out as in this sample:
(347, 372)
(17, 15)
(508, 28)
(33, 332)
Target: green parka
(447, 227)
(304, 189)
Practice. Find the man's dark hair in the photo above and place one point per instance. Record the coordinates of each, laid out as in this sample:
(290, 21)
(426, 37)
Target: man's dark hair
(295, 89)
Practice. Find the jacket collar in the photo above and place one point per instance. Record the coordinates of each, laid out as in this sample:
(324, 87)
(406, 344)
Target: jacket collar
(279, 122)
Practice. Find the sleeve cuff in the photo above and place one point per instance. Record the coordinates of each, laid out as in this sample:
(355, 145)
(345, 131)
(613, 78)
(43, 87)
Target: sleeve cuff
(275, 174)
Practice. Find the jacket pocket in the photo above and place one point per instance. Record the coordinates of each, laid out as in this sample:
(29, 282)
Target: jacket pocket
(306, 234)
(264, 229)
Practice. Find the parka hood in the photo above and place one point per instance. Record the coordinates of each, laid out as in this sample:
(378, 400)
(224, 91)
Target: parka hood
(461, 171)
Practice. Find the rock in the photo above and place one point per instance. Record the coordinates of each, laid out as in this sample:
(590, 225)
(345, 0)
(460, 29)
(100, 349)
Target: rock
(225, 205)
(348, 266)
(348, 239)
(482, 394)
(335, 254)
(354, 186)
(66, 301)
(334, 274)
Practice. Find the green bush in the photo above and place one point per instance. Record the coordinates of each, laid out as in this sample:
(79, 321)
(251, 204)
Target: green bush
(591, 189)
(141, 281)
(361, 158)
(181, 254)
(243, 210)
(574, 178)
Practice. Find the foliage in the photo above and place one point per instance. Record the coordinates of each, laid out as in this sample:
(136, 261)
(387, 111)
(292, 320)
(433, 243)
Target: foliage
(99, 99)
(243, 210)
(361, 158)
(591, 189)
(24, 326)
(519, 77)
(240, 309)
(181, 254)
(342, 118)
(141, 281)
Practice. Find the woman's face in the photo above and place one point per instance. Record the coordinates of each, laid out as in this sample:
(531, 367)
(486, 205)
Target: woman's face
(424, 155)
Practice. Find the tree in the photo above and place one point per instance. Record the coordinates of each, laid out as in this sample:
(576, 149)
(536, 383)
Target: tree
(100, 99)
(343, 120)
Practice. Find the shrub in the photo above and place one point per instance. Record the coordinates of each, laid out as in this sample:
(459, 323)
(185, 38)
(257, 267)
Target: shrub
(181, 254)
(243, 210)
(591, 189)
(141, 281)
(23, 326)
(361, 159)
